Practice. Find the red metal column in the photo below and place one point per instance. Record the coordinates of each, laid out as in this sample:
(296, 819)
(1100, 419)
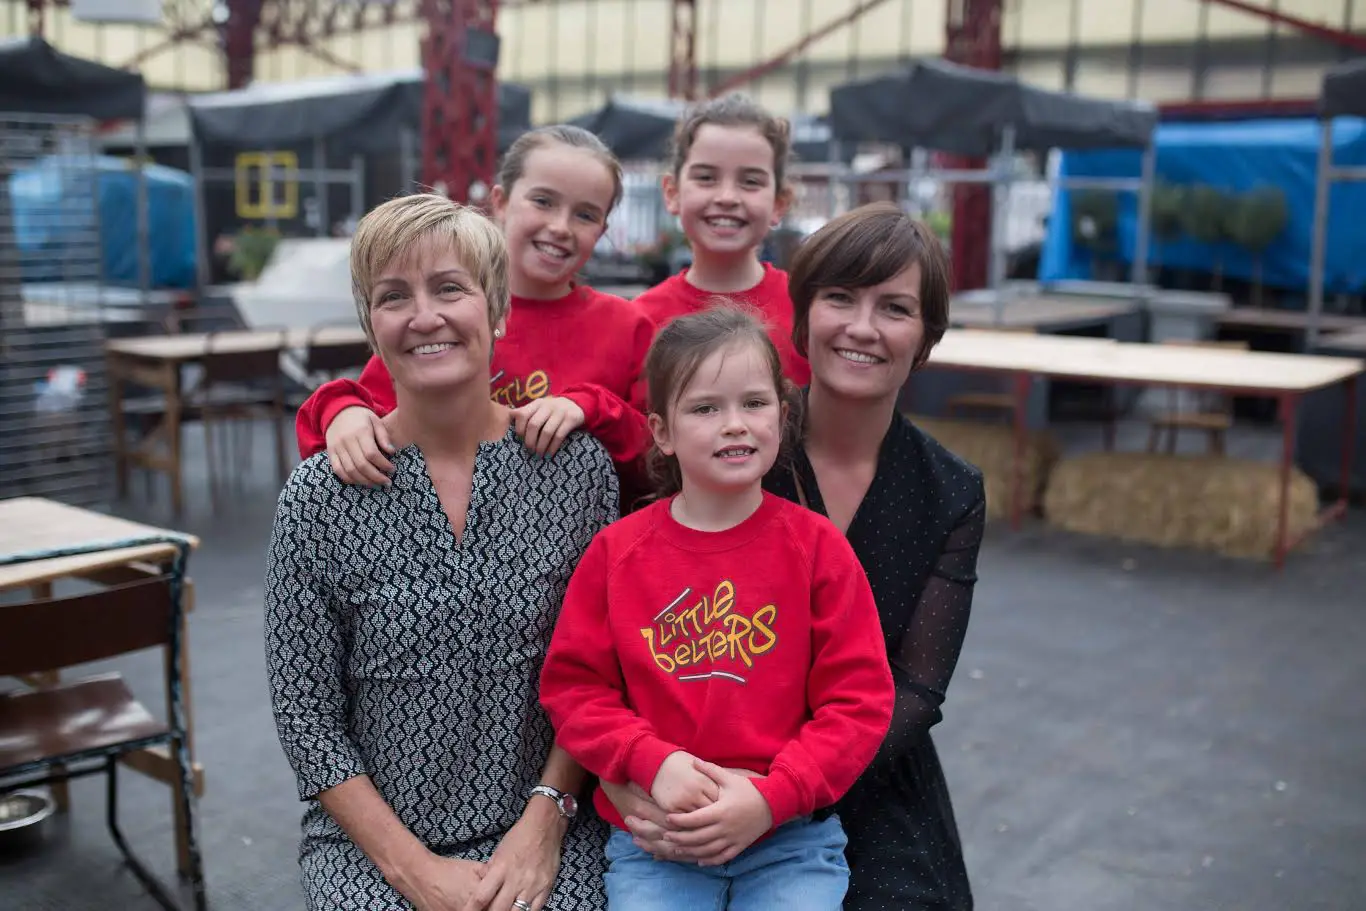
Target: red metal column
(683, 50)
(239, 41)
(460, 101)
(36, 17)
(974, 39)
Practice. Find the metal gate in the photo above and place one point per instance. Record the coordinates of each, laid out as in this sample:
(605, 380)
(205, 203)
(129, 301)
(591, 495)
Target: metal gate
(55, 439)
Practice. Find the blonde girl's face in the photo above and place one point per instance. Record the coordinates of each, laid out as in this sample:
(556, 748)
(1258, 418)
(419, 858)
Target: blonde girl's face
(552, 216)
(726, 195)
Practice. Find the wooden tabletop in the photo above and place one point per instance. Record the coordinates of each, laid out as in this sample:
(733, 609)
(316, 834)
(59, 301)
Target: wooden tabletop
(194, 345)
(1293, 320)
(1351, 340)
(33, 524)
(1136, 362)
(1038, 311)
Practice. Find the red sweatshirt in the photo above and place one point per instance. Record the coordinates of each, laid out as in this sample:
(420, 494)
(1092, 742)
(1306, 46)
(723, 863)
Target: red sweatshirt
(674, 297)
(587, 346)
(758, 647)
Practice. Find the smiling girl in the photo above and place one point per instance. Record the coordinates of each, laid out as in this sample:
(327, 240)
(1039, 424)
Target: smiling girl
(721, 648)
(727, 187)
(571, 356)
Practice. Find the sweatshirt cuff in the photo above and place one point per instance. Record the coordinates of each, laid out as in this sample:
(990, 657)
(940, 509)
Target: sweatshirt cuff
(336, 406)
(646, 756)
(587, 402)
(783, 794)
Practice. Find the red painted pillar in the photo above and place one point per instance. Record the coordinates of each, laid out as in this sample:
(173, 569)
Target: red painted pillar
(973, 39)
(460, 101)
(239, 41)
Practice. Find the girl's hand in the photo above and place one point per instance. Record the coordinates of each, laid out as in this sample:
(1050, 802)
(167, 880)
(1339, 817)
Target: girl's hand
(716, 834)
(525, 863)
(680, 787)
(544, 423)
(355, 439)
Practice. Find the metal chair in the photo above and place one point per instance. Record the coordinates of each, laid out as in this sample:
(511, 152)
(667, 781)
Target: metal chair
(235, 388)
(85, 726)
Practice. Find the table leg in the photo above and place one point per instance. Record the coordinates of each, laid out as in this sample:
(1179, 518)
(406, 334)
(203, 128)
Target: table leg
(114, 372)
(173, 408)
(1349, 428)
(1289, 406)
(182, 824)
(1017, 472)
(61, 792)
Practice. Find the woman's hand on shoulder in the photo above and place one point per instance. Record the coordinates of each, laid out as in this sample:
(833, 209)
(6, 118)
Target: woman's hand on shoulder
(544, 423)
(525, 863)
(357, 441)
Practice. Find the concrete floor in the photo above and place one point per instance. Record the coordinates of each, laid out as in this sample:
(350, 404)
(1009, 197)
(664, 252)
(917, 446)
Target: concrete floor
(1129, 728)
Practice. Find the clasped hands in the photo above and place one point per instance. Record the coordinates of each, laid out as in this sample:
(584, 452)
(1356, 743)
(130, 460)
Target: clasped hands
(695, 812)
(523, 867)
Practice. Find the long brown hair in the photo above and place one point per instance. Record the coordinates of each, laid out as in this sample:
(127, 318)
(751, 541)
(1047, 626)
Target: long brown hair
(674, 356)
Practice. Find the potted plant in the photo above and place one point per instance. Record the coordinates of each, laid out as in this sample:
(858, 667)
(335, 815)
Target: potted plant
(1255, 221)
(250, 250)
(1205, 219)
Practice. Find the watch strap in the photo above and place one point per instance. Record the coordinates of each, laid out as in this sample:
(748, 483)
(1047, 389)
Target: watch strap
(561, 799)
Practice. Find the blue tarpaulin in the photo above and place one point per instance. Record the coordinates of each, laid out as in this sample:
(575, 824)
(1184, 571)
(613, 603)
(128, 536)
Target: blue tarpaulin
(54, 219)
(1233, 157)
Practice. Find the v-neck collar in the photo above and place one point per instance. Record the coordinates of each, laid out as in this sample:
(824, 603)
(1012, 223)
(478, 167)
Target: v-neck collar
(812, 488)
(426, 487)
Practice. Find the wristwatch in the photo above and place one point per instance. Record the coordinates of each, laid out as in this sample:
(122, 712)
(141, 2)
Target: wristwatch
(564, 802)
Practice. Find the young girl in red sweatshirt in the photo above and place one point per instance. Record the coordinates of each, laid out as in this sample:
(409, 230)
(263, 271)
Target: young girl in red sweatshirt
(727, 185)
(720, 648)
(571, 356)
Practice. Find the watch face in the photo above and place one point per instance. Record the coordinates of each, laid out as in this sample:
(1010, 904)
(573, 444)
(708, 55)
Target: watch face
(569, 805)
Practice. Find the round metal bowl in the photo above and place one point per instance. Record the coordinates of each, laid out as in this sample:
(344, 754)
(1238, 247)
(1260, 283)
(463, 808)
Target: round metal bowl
(23, 818)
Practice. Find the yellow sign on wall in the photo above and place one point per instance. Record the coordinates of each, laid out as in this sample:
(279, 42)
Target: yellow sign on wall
(267, 184)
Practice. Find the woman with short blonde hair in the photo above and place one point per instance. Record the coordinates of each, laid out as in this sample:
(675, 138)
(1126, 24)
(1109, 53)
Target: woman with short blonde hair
(406, 625)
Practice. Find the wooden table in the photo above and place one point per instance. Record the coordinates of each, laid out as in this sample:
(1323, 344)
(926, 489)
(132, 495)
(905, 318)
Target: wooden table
(34, 525)
(1283, 377)
(1351, 340)
(1041, 313)
(155, 361)
(1287, 320)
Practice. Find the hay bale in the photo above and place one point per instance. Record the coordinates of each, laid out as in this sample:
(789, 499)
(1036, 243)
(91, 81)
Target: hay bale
(1229, 506)
(991, 447)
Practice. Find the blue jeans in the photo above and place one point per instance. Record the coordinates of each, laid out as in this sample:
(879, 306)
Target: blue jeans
(798, 867)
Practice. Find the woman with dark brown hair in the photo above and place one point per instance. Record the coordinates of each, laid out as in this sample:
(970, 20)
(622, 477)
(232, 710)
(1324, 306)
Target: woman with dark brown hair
(870, 301)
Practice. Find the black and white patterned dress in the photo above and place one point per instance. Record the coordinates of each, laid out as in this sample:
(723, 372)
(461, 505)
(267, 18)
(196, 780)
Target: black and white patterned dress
(395, 651)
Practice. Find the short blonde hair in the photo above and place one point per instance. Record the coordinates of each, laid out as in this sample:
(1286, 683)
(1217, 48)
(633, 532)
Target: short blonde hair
(393, 228)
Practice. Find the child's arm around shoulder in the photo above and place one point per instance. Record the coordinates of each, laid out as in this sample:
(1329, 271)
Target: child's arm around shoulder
(849, 684)
(356, 445)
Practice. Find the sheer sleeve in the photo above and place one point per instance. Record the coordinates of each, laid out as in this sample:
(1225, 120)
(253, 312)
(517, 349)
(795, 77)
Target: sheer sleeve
(928, 654)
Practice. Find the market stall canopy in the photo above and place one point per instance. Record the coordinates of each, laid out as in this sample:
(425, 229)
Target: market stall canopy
(362, 112)
(635, 129)
(1344, 90)
(935, 104)
(641, 129)
(35, 78)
